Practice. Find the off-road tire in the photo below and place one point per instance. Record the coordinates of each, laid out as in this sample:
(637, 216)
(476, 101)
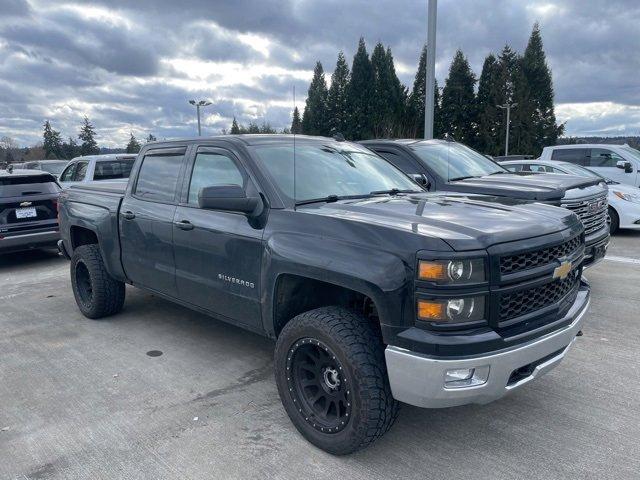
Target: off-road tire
(359, 351)
(614, 221)
(97, 294)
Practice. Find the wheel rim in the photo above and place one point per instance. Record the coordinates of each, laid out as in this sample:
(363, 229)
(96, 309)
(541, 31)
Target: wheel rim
(83, 283)
(318, 385)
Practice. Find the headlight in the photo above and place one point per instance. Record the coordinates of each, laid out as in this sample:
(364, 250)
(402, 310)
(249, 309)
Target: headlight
(451, 310)
(629, 197)
(452, 271)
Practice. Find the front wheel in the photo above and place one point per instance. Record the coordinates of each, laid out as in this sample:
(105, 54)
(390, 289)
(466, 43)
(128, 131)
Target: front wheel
(332, 379)
(614, 221)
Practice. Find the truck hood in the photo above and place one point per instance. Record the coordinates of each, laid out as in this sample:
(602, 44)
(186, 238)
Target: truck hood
(546, 187)
(463, 222)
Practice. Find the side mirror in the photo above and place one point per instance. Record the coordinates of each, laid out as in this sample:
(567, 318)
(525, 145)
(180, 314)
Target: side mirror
(624, 165)
(229, 198)
(421, 180)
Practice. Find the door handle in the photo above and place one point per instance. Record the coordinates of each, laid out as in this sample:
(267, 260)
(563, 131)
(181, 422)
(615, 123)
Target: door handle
(128, 215)
(184, 225)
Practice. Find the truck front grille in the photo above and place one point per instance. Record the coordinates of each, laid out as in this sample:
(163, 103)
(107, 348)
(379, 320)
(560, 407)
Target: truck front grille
(591, 211)
(521, 302)
(544, 256)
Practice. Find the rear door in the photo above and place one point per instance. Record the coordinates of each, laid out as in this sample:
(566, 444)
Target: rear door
(218, 254)
(146, 220)
(604, 161)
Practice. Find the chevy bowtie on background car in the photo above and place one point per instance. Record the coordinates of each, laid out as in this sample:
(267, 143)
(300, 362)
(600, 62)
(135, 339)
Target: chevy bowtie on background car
(28, 210)
(375, 291)
(446, 166)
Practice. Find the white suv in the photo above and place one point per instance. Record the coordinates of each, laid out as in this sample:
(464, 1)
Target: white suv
(617, 162)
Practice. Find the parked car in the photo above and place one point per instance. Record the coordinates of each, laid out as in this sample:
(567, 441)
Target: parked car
(28, 210)
(54, 167)
(624, 200)
(94, 168)
(617, 162)
(446, 166)
(375, 290)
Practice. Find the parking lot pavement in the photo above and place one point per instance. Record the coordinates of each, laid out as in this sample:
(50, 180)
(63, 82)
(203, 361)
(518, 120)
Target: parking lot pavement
(83, 399)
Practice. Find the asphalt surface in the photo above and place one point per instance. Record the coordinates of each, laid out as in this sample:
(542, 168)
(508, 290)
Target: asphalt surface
(84, 399)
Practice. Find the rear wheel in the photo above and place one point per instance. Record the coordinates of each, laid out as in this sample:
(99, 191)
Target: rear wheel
(332, 379)
(96, 292)
(614, 221)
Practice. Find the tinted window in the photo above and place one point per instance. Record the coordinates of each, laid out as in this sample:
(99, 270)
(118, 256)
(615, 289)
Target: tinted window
(602, 157)
(453, 161)
(571, 155)
(17, 186)
(81, 171)
(158, 177)
(113, 169)
(212, 169)
(67, 175)
(404, 164)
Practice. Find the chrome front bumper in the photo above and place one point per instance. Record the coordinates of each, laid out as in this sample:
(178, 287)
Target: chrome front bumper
(420, 379)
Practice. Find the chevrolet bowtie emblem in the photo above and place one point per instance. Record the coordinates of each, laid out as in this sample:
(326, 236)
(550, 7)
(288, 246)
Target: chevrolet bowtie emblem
(563, 270)
(25, 204)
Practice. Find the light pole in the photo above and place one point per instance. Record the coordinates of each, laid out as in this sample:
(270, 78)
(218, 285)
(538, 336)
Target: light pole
(201, 103)
(432, 11)
(507, 106)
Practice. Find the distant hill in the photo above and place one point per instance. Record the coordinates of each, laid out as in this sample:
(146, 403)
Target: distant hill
(631, 141)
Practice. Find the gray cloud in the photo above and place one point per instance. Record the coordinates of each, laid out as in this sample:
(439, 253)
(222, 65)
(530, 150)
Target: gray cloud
(64, 61)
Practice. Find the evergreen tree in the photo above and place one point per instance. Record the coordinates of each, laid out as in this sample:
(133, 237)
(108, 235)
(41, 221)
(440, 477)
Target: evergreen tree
(253, 128)
(337, 109)
(235, 129)
(87, 135)
(52, 143)
(296, 123)
(538, 77)
(489, 115)
(459, 112)
(150, 138)
(359, 95)
(70, 149)
(388, 94)
(314, 118)
(133, 146)
(414, 116)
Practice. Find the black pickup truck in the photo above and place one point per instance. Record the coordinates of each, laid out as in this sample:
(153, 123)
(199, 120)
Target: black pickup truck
(447, 166)
(375, 291)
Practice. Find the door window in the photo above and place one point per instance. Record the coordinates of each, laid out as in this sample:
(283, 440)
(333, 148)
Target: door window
(571, 155)
(113, 169)
(158, 177)
(211, 169)
(603, 157)
(67, 175)
(81, 171)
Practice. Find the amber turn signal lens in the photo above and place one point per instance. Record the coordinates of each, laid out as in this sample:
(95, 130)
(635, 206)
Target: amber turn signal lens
(429, 310)
(432, 270)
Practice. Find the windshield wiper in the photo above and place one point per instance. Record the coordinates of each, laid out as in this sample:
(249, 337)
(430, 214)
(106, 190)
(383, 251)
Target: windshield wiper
(393, 191)
(455, 179)
(499, 172)
(330, 199)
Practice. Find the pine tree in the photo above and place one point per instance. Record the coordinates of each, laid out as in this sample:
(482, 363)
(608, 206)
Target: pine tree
(489, 115)
(413, 126)
(538, 77)
(359, 95)
(337, 109)
(87, 135)
(459, 113)
(133, 146)
(70, 149)
(52, 143)
(388, 94)
(314, 118)
(150, 138)
(235, 130)
(296, 123)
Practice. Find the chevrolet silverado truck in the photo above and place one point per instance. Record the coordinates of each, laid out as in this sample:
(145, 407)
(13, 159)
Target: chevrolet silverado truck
(375, 291)
(447, 166)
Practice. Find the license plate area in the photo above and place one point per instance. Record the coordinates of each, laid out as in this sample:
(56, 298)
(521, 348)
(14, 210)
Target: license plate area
(28, 212)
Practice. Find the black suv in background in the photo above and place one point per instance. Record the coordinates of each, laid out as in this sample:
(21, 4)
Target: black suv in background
(447, 166)
(28, 210)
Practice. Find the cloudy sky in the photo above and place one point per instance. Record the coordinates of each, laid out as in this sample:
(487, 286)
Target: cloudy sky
(132, 66)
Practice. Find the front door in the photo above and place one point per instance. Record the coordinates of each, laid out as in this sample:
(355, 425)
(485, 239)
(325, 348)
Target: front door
(146, 221)
(218, 254)
(604, 161)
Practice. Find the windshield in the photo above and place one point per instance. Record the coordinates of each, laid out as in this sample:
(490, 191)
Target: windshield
(581, 171)
(55, 168)
(322, 170)
(632, 151)
(454, 161)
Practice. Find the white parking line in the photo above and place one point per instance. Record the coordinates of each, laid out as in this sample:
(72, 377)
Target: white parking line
(632, 261)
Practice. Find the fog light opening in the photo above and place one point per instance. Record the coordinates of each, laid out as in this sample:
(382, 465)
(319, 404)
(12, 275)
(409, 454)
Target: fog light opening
(466, 377)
